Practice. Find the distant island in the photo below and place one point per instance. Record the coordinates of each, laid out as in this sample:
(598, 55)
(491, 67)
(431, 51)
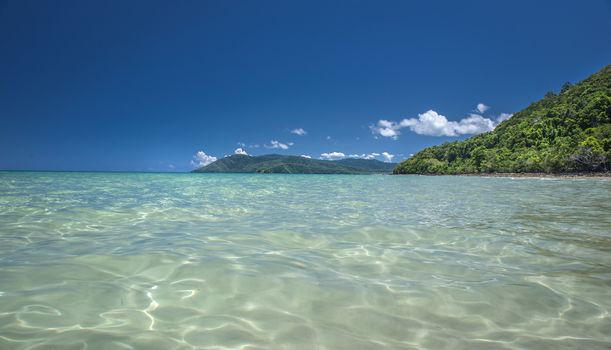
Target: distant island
(284, 164)
(563, 133)
(566, 132)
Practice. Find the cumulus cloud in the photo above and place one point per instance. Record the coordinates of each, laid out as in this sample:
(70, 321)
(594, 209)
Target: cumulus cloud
(201, 159)
(431, 123)
(434, 124)
(277, 144)
(387, 157)
(332, 155)
(504, 116)
(240, 151)
(365, 155)
(306, 156)
(482, 107)
(387, 128)
(299, 131)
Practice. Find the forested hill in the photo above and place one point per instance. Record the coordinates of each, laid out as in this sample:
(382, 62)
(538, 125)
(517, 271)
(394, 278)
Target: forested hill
(275, 163)
(564, 132)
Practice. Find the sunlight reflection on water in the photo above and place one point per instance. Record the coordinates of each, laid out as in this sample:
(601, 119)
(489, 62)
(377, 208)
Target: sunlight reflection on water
(179, 261)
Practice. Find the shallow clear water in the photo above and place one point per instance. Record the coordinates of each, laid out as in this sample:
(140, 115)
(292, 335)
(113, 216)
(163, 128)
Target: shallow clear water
(179, 261)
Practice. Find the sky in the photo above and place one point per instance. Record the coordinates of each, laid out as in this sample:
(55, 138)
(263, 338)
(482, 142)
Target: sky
(172, 85)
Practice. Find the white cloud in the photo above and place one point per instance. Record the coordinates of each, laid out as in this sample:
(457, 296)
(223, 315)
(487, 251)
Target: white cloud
(201, 159)
(332, 155)
(387, 128)
(328, 137)
(373, 155)
(365, 155)
(299, 131)
(277, 144)
(387, 157)
(432, 123)
(240, 151)
(241, 144)
(504, 116)
(171, 166)
(482, 107)
(306, 156)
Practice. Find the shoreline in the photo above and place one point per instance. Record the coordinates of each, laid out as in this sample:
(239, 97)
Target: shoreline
(605, 175)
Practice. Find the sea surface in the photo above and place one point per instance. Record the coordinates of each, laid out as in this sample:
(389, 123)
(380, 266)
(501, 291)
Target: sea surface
(231, 261)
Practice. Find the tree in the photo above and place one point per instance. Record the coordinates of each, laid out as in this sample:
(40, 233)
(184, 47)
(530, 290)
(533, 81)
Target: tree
(565, 87)
(565, 132)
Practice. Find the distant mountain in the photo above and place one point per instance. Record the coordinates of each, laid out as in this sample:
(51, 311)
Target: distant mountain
(369, 164)
(565, 132)
(275, 163)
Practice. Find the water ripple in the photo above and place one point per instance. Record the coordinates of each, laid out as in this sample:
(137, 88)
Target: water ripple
(192, 261)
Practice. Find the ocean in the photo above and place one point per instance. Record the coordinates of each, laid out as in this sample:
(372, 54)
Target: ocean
(253, 261)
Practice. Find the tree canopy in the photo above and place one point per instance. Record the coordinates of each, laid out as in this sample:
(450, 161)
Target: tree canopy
(564, 132)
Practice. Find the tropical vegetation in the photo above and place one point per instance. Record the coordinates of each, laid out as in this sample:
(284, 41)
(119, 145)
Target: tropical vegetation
(565, 132)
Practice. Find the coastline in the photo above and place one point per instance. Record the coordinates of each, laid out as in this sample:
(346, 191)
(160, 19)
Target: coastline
(531, 175)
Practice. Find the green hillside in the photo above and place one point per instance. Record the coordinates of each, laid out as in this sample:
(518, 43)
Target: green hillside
(369, 164)
(274, 163)
(564, 132)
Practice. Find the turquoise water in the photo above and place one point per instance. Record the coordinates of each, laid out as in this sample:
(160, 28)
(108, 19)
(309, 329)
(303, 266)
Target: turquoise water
(194, 261)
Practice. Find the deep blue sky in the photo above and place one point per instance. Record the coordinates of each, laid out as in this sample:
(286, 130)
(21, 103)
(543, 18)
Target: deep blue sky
(143, 85)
